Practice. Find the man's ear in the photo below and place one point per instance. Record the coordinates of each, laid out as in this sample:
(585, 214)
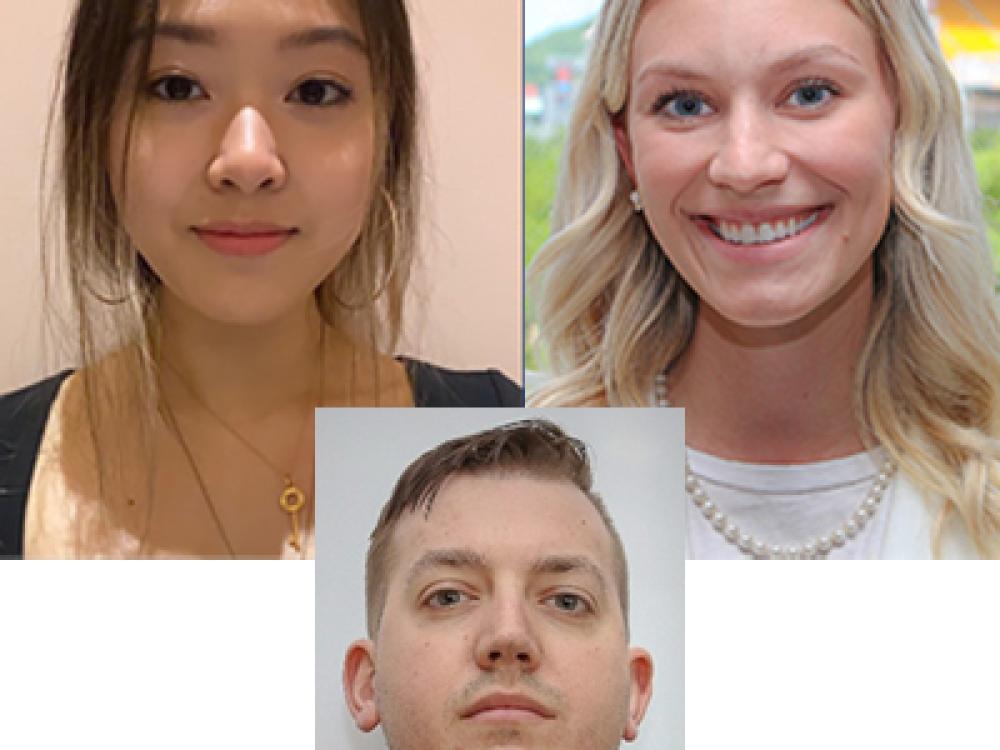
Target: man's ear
(623, 143)
(640, 690)
(359, 684)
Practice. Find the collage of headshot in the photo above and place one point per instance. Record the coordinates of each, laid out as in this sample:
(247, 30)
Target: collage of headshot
(668, 281)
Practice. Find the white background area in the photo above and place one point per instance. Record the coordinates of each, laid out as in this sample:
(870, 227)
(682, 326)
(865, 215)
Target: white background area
(637, 457)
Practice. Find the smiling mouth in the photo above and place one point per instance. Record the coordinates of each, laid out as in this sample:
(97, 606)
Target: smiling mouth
(763, 233)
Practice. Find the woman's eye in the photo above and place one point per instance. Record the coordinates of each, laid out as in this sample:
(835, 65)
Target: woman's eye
(177, 88)
(682, 105)
(446, 598)
(812, 94)
(317, 92)
(572, 603)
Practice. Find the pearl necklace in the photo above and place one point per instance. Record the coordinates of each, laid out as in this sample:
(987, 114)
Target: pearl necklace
(746, 543)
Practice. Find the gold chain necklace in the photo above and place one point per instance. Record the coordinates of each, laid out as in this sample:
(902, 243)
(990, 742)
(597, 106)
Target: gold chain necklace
(292, 499)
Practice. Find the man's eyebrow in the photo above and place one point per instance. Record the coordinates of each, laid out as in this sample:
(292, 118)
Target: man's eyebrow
(456, 557)
(568, 564)
(792, 61)
(198, 34)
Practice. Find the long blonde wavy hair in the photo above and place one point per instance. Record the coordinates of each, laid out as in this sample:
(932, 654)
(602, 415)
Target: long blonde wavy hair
(614, 312)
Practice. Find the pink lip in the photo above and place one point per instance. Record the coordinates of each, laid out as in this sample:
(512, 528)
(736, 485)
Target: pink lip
(243, 240)
(763, 254)
(507, 707)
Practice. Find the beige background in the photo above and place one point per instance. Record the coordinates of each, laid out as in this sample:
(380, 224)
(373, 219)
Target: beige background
(467, 302)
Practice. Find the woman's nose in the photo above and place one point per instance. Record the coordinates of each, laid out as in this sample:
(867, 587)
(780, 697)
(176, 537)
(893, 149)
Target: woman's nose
(247, 158)
(751, 155)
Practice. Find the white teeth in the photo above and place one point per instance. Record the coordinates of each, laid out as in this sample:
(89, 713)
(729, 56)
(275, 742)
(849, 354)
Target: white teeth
(748, 234)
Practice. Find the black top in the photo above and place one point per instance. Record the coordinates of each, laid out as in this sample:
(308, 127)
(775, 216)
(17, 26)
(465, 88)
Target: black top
(24, 414)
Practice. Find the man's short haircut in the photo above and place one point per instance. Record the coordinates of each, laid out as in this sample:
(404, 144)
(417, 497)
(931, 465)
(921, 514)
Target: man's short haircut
(534, 448)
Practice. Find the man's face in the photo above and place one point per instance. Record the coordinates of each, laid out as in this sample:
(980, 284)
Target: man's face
(502, 626)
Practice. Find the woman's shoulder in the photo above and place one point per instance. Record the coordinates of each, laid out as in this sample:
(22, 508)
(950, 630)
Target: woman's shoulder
(913, 519)
(439, 386)
(23, 416)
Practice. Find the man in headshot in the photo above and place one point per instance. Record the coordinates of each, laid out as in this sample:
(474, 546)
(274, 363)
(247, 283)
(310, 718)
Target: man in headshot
(497, 604)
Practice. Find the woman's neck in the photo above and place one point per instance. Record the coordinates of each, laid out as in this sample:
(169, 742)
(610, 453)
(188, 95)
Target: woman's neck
(776, 395)
(247, 370)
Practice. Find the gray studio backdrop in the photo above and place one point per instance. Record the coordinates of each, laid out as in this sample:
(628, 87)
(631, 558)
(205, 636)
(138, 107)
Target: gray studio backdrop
(638, 468)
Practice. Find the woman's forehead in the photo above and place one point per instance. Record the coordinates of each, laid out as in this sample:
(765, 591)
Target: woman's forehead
(755, 24)
(276, 13)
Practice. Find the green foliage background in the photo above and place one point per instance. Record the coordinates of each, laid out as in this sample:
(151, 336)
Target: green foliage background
(986, 151)
(541, 168)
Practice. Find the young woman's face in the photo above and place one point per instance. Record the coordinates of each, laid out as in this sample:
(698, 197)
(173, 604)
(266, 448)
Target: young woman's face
(251, 157)
(759, 135)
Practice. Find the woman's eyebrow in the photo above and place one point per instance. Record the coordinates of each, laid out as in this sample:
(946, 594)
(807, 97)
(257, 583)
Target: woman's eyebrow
(198, 34)
(188, 33)
(791, 61)
(813, 54)
(323, 35)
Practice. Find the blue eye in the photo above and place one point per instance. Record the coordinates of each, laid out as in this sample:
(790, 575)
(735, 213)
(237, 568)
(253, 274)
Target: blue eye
(571, 603)
(682, 105)
(812, 94)
(318, 92)
(176, 88)
(445, 598)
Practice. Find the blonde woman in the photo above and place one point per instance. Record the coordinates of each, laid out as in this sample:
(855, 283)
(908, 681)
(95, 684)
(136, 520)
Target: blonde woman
(239, 191)
(768, 216)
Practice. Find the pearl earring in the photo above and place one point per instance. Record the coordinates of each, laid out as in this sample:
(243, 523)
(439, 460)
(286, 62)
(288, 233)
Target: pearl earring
(636, 201)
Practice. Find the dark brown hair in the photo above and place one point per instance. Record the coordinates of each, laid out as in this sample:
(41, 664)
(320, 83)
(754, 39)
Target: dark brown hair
(535, 448)
(109, 46)
(115, 294)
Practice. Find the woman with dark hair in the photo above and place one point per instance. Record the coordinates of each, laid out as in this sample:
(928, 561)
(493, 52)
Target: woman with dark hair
(239, 189)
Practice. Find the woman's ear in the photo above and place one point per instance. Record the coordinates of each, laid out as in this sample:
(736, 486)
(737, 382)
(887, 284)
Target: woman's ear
(619, 123)
(359, 684)
(640, 691)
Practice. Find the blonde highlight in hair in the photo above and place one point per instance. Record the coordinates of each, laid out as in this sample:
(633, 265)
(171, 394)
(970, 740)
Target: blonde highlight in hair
(615, 313)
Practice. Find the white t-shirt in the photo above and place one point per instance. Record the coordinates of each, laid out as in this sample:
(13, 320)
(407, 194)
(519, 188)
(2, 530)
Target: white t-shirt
(788, 504)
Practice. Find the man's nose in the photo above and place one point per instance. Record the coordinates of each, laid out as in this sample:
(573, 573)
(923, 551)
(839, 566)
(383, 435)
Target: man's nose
(247, 157)
(751, 155)
(508, 641)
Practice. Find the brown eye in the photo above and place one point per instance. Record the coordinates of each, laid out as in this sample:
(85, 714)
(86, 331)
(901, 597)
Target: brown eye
(317, 92)
(177, 88)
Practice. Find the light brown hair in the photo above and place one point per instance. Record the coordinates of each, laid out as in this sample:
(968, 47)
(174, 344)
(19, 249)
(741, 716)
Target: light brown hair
(535, 448)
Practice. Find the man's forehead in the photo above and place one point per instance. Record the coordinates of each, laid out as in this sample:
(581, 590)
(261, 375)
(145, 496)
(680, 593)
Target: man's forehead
(501, 518)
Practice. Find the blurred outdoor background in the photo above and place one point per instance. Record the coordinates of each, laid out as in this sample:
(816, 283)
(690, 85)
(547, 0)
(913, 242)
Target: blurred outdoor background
(556, 36)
